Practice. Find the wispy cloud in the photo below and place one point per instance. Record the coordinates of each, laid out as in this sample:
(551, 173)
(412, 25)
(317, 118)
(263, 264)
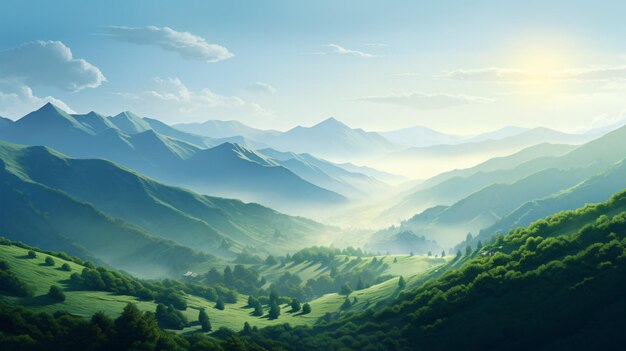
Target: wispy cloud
(336, 49)
(17, 99)
(49, 63)
(169, 98)
(340, 50)
(187, 45)
(425, 101)
(507, 75)
(260, 87)
(376, 44)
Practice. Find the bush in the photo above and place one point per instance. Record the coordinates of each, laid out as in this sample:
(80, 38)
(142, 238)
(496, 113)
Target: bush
(219, 304)
(170, 318)
(32, 254)
(306, 308)
(66, 267)
(295, 305)
(49, 261)
(56, 293)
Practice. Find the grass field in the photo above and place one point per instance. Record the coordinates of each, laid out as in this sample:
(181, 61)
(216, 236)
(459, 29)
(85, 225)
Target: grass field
(40, 277)
(405, 265)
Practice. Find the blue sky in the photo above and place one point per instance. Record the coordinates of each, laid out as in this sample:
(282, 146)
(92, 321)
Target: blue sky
(456, 66)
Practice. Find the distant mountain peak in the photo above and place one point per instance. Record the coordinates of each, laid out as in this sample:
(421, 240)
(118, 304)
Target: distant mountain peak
(130, 122)
(331, 122)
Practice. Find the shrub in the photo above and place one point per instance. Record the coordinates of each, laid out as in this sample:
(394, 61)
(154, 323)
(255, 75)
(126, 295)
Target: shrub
(56, 293)
(66, 267)
(32, 254)
(49, 261)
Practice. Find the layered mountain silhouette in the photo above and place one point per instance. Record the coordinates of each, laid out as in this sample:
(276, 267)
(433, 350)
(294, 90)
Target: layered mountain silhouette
(329, 139)
(170, 155)
(503, 193)
(79, 205)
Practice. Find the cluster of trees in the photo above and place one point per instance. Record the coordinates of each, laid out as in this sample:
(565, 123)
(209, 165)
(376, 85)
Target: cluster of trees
(337, 281)
(239, 278)
(167, 291)
(533, 289)
(10, 283)
(325, 255)
(170, 318)
(132, 330)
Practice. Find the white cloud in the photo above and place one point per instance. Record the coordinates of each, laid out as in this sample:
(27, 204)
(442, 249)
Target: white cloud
(17, 99)
(260, 87)
(169, 99)
(377, 45)
(188, 45)
(336, 49)
(425, 101)
(508, 75)
(48, 63)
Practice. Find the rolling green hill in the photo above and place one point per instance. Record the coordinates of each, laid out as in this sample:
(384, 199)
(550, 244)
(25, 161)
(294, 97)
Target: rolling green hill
(555, 285)
(39, 276)
(446, 189)
(448, 225)
(597, 188)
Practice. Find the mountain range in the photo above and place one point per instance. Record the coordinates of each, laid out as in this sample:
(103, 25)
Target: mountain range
(502, 193)
(226, 169)
(95, 208)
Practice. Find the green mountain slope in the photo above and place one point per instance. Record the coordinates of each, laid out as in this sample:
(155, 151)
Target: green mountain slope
(202, 222)
(555, 285)
(597, 154)
(594, 189)
(487, 206)
(39, 215)
(225, 170)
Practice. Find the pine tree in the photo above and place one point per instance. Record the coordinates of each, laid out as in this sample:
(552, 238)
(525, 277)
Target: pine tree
(443, 253)
(219, 304)
(204, 320)
(346, 304)
(258, 310)
(401, 282)
(247, 329)
(274, 310)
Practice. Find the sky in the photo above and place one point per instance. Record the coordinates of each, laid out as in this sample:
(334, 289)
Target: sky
(455, 66)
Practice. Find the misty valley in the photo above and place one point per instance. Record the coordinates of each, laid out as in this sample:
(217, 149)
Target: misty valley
(282, 190)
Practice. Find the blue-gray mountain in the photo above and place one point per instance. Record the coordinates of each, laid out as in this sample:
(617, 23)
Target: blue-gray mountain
(173, 156)
(96, 209)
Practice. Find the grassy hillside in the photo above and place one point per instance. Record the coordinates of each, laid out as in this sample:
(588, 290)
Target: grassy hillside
(39, 276)
(39, 215)
(405, 265)
(556, 285)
